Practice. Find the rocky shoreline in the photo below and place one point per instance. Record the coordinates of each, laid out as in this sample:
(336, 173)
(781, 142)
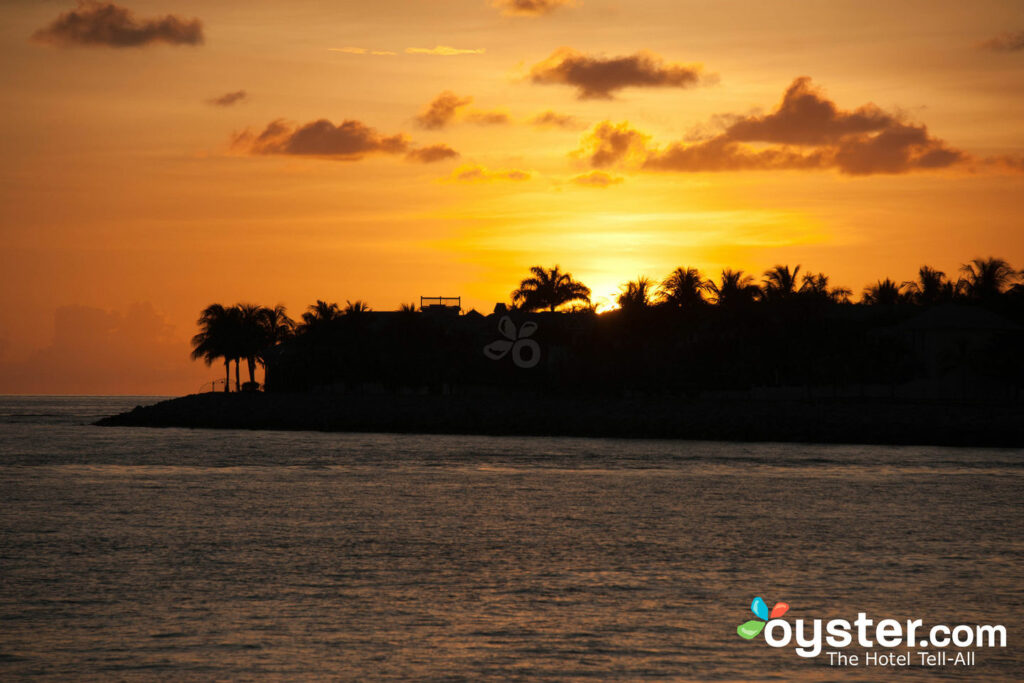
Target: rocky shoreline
(835, 421)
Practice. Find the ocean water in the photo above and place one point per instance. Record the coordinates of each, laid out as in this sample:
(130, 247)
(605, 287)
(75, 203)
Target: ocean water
(139, 554)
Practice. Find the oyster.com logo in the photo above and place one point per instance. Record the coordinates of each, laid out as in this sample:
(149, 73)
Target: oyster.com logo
(885, 642)
(750, 629)
(525, 351)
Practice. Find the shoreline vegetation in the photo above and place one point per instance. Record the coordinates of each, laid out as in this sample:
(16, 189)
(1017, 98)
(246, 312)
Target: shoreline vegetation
(849, 421)
(936, 361)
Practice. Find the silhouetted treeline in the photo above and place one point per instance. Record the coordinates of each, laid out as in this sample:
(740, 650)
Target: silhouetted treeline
(687, 334)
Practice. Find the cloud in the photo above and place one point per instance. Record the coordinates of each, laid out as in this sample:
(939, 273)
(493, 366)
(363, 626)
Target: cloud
(442, 51)
(229, 99)
(361, 51)
(347, 141)
(610, 144)
(350, 140)
(431, 154)
(487, 118)
(106, 24)
(806, 131)
(479, 174)
(98, 351)
(596, 179)
(553, 119)
(1005, 42)
(447, 107)
(442, 110)
(601, 77)
(530, 8)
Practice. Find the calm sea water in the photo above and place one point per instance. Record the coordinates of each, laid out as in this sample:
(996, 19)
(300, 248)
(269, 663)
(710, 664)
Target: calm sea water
(130, 553)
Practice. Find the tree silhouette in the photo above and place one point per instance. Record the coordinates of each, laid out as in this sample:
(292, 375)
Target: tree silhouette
(549, 289)
(684, 288)
(218, 337)
(636, 295)
(931, 287)
(356, 307)
(779, 283)
(985, 279)
(734, 288)
(319, 317)
(883, 293)
(816, 285)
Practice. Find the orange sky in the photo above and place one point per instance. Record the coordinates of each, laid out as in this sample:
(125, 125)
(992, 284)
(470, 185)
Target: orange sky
(130, 199)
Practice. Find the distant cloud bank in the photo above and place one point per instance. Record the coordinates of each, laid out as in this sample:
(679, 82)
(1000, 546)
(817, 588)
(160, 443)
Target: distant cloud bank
(106, 24)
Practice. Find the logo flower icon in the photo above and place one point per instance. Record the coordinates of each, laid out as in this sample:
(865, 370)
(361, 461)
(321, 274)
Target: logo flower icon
(525, 352)
(750, 629)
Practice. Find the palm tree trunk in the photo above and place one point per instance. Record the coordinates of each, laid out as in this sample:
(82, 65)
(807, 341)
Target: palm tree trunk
(238, 384)
(251, 362)
(227, 375)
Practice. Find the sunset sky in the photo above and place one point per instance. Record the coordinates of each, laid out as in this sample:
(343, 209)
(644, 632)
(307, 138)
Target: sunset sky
(160, 156)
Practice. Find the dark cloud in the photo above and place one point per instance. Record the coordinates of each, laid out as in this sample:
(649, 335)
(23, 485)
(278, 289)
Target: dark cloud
(1005, 42)
(601, 77)
(447, 107)
(431, 154)
(530, 8)
(442, 110)
(349, 140)
(554, 119)
(106, 24)
(806, 131)
(229, 99)
(806, 117)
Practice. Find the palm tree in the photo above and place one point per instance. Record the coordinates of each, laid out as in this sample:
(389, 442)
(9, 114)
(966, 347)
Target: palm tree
(985, 279)
(356, 307)
(883, 293)
(252, 335)
(218, 337)
(319, 316)
(816, 285)
(408, 308)
(549, 289)
(636, 295)
(735, 288)
(931, 287)
(779, 282)
(684, 288)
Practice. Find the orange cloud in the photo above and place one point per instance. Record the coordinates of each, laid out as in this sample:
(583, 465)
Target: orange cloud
(530, 8)
(601, 77)
(598, 179)
(806, 131)
(479, 174)
(105, 24)
(443, 51)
